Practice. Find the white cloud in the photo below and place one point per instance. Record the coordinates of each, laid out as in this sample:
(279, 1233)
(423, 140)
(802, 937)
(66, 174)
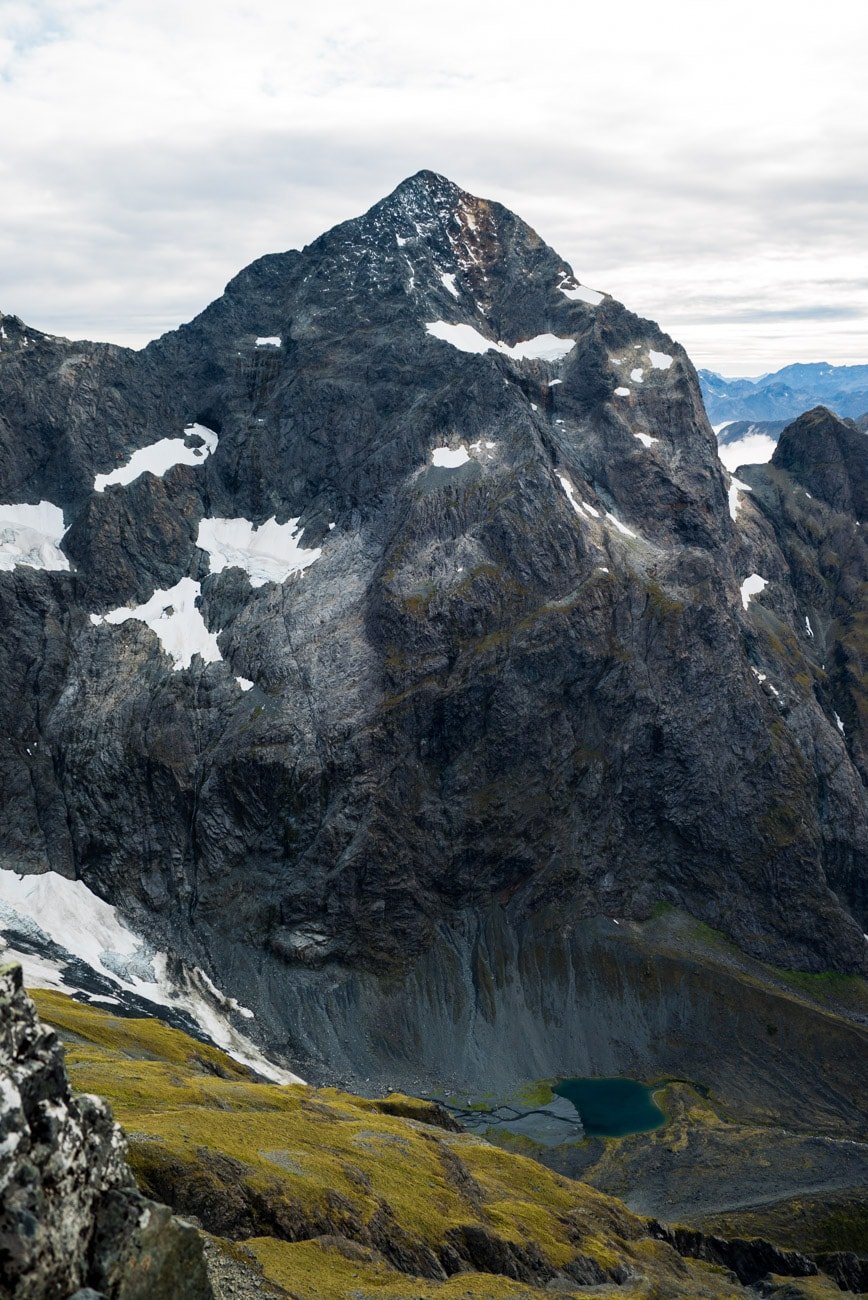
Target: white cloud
(159, 147)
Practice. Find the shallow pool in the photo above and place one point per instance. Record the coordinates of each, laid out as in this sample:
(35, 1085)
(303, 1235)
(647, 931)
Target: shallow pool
(612, 1107)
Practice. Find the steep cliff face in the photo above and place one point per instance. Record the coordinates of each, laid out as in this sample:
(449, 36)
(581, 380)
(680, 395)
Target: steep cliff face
(813, 494)
(70, 1214)
(405, 581)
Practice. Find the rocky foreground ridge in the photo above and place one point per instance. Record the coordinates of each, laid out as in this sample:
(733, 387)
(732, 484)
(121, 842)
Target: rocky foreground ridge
(71, 1216)
(396, 615)
(305, 1193)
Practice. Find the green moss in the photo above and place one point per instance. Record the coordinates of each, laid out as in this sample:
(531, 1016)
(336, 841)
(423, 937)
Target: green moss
(83, 1028)
(782, 824)
(661, 910)
(311, 1271)
(710, 937)
(537, 1094)
(813, 1224)
(829, 987)
(662, 605)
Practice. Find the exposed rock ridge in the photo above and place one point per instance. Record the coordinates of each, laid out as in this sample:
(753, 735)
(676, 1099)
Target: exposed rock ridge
(752, 1261)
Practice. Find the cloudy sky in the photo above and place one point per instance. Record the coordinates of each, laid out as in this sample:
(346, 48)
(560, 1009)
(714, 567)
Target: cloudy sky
(704, 163)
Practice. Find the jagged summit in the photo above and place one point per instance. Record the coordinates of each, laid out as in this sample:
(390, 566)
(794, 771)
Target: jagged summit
(430, 241)
(829, 457)
(423, 194)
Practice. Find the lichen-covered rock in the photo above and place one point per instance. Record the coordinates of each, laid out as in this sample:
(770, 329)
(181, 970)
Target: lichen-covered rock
(70, 1214)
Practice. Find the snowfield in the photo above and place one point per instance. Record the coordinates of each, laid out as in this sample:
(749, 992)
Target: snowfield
(158, 457)
(31, 536)
(269, 552)
(51, 912)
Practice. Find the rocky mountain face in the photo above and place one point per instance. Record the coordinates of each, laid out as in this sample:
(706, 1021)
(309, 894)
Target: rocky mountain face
(785, 393)
(373, 631)
(71, 1218)
(830, 457)
(813, 493)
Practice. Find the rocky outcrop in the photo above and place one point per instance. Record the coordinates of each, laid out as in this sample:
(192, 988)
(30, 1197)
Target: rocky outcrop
(70, 1215)
(813, 495)
(829, 458)
(752, 1261)
(748, 1260)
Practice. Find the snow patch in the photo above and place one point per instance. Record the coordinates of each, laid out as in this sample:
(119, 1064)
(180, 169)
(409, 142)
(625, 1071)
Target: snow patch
(622, 392)
(622, 528)
(245, 683)
(448, 282)
(463, 337)
(158, 457)
(31, 536)
(646, 439)
(809, 630)
(269, 341)
(578, 505)
(660, 360)
(447, 458)
(839, 724)
(637, 375)
(176, 619)
(581, 293)
(267, 553)
(542, 347)
(761, 677)
(751, 587)
(736, 486)
(67, 913)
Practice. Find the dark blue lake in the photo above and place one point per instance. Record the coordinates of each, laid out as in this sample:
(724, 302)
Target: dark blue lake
(612, 1107)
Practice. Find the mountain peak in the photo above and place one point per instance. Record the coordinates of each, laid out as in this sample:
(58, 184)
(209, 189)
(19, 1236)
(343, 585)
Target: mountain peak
(425, 193)
(427, 206)
(828, 457)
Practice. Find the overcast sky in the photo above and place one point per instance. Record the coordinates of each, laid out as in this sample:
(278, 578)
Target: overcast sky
(706, 164)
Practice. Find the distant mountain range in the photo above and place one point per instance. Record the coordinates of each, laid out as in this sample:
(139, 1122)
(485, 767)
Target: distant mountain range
(786, 393)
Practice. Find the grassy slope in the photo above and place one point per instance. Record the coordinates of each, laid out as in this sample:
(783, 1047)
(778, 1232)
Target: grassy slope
(324, 1189)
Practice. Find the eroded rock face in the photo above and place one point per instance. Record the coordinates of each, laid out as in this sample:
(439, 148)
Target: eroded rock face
(524, 668)
(70, 1214)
